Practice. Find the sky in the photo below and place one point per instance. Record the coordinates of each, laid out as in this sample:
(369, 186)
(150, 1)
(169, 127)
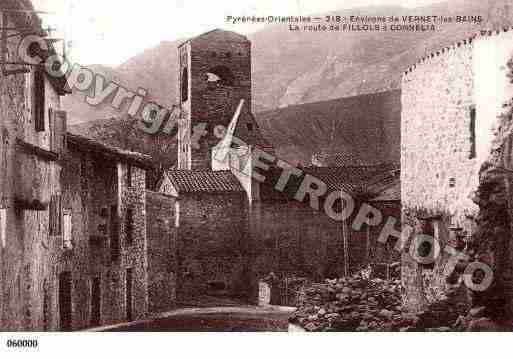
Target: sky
(110, 32)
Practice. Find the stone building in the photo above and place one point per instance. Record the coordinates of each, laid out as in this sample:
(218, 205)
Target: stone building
(451, 103)
(72, 210)
(32, 129)
(101, 254)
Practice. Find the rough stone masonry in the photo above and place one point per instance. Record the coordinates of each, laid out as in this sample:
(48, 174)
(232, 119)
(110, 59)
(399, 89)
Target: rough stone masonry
(451, 104)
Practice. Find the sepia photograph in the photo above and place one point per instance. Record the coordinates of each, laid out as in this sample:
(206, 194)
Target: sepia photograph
(176, 168)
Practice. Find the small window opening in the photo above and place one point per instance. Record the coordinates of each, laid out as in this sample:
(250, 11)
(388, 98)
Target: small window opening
(472, 130)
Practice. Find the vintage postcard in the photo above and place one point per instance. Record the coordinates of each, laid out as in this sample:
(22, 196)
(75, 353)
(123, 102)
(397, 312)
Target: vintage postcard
(255, 166)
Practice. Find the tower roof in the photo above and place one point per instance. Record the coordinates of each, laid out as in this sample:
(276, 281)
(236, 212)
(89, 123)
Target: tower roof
(218, 33)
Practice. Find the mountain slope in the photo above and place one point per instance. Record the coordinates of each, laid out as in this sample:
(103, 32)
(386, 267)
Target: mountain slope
(291, 68)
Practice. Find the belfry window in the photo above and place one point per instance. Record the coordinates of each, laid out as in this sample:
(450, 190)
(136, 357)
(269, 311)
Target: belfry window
(185, 85)
(220, 76)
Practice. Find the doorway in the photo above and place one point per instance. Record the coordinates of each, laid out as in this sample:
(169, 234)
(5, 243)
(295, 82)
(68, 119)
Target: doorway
(129, 299)
(65, 301)
(96, 298)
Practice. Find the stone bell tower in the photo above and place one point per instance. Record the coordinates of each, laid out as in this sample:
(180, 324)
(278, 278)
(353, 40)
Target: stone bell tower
(214, 75)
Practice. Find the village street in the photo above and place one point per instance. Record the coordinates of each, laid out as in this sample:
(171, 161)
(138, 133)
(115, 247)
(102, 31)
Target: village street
(220, 319)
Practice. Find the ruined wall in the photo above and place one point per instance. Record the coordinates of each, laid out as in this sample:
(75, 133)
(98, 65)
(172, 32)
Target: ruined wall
(491, 241)
(212, 244)
(162, 264)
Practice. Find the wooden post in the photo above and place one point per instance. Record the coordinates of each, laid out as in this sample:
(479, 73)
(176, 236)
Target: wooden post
(345, 239)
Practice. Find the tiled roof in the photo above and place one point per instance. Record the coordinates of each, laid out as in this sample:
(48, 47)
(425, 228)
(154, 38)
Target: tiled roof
(336, 159)
(90, 145)
(197, 181)
(352, 179)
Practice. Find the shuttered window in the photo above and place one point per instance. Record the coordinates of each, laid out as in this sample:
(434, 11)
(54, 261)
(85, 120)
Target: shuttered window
(67, 230)
(55, 216)
(39, 100)
(3, 226)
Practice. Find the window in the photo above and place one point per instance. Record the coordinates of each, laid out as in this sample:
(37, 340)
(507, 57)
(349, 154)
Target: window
(68, 230)
(39, 100)
(185, 85)
(55, 216)
(221, 76)
(249, 126)
(129, 223)
(3, 226)
(472, 129)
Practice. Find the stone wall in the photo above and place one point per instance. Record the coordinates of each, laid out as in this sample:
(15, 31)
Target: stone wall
(162, 264)
(212, 245)
(437, 175)
(436, 101)
(94, 191)
(451, 101)
(293, 240)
